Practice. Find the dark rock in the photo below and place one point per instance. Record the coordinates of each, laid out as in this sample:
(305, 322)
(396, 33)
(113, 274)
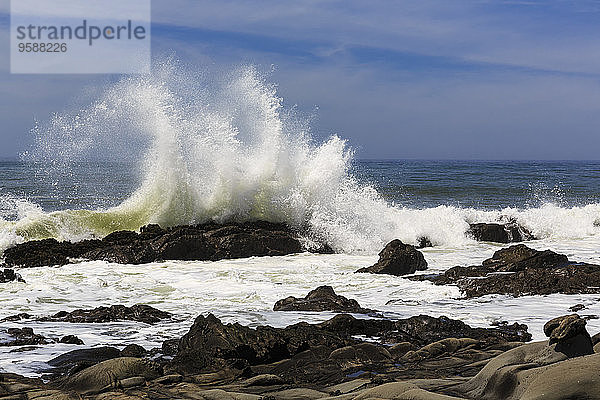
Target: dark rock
(9, 275)
(71, 339)
(24, 337)
(499, 233)
(577, 307)
(208, 241)
(570, 335)
(133, 350)
(212, 345)
(209, 340)
(138, 312)
(398, 259)
(77, 360)
(322, 298)
(519, 270)
(423, 242)
(16, 317)
(170, 347)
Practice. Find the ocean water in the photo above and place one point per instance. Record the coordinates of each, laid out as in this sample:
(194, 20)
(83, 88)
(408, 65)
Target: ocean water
(184, 146)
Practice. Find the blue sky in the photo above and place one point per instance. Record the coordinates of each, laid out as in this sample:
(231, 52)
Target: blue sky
(399, 79)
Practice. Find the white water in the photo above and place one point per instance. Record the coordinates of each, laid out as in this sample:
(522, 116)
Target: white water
(222, 147)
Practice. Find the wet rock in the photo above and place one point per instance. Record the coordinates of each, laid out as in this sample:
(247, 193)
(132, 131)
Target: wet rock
(423, 242)
(398, 259)
(519, 270)
(79, 359)
(111, 374)
(233, 344)
(138, 312)
(499, 233)
(322, 298)
(212, 345)
(23, 337)
(9, 275)
(71, 339)
(208, 241)
(577, 307)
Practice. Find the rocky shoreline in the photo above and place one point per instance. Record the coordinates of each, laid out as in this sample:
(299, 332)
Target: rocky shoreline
(357, 354)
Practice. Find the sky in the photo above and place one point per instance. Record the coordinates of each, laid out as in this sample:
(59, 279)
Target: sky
(418, 79)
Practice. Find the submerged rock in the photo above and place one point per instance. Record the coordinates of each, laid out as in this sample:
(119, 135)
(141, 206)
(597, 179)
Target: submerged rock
(322, 298)
(398, 259)
(519, 270)
(23, 337)
(499, 233)
(208, 241)
(9, 275)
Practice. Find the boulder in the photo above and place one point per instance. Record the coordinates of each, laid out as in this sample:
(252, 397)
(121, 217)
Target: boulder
(499, 233)
(322, 298)
(398, 259)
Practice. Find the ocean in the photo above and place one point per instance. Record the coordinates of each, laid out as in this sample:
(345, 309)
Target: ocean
(176, 151)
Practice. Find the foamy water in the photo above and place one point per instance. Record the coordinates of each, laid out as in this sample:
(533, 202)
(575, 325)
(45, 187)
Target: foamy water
(222, 147)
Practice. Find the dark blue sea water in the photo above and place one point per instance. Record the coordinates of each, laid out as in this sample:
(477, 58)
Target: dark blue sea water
(485, 185)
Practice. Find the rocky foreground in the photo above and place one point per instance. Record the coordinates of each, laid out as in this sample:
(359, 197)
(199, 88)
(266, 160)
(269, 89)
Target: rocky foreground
(421, 357)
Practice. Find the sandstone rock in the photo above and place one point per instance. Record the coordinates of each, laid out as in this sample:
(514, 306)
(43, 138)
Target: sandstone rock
(322, 298)
(398, 259)
(76, 360)
(112, 374)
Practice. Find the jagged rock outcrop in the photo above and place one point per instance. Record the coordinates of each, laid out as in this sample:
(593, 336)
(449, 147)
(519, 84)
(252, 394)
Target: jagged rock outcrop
(398, 259)
(322, 298)
(208, 241)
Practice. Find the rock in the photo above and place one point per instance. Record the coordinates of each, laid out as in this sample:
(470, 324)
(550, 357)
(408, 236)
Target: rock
(519, 270)
(499, 233)
(570, 335)
(112, 374)
(514, 373)
(322, 298)
(133, 350)
(76, 360)
(71, 339)
(208, 241)
(577, 307)
(209, 341)
(9, 275)
(23, 337)
(138, 312)
(398, 259)
(423, 242)
(211, 345)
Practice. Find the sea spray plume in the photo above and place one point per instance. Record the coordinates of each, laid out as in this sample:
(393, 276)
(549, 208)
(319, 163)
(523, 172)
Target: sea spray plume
(215, 147)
